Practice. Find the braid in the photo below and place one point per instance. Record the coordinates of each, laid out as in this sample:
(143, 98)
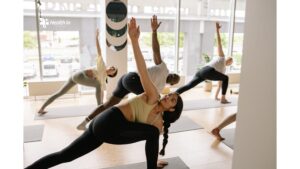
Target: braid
(165, 141)
(170, 117)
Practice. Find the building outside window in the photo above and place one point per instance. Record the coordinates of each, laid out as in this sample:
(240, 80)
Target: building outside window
(67, 34)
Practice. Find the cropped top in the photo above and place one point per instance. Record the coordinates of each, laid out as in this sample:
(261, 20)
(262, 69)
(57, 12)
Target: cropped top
(140, 109)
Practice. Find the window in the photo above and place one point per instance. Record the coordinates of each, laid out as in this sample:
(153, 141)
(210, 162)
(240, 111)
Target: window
(67, 34)
(31, 58)
(166, 13)
(197, 23)
(237, 51)
(67, 39)
(60, 53)
(197, 31)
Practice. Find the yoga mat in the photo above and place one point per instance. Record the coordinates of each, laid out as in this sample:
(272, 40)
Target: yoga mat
(228, 134)
(33, 133)
(184, 124)
(174, 163)
(207, 103)
(62, 112)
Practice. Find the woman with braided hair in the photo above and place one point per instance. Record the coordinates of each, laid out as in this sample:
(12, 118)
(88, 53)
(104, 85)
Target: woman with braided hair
(140, 118)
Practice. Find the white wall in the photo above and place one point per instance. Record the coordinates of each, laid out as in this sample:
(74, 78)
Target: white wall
(255, 141)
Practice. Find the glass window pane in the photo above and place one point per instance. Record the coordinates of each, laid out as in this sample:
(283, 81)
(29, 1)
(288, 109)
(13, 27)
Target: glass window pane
(238, 40)
(67, 34)
(60, 54)
(198, 18)
(166, 13)
(31, 58)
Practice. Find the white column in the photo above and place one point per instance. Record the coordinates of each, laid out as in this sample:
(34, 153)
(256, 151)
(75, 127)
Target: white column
(255, 139)
(113, 57)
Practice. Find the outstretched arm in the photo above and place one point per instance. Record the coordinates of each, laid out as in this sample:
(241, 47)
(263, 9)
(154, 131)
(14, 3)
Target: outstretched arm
(155, 44)
(220, 49)
(149, 88)
(100, 58)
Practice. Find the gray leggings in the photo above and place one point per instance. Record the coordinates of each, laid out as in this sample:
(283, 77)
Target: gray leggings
(77, 78)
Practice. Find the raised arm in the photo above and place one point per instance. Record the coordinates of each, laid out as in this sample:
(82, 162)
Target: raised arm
(155, 44)
(220, 49)
(100, 58)
(149, 88)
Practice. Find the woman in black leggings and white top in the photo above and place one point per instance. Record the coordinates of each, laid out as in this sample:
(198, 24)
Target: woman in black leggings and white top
(214, 70)
(141, 118)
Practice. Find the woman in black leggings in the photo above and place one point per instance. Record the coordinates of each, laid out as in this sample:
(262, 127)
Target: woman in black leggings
(141, 118)
(131, 83)
(214, 70)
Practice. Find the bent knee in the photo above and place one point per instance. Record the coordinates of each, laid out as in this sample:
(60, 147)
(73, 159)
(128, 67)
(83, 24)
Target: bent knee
(226, 78)
(153, 133)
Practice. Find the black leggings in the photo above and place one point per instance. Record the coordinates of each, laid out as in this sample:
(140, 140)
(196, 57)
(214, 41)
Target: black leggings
(110, 127)
(128, 83)
(206, 73)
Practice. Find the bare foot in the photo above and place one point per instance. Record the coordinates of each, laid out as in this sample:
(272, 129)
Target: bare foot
(161, 164)
(81, 127)
(41, 112)
(216, 133)
(224, 101)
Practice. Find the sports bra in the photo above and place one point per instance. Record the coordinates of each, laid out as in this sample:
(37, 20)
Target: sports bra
(140, 109)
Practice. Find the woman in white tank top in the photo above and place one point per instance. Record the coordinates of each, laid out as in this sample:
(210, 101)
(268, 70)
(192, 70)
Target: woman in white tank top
(214, 70)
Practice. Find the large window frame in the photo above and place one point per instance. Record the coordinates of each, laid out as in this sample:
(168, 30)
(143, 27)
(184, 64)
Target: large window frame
(179, 9)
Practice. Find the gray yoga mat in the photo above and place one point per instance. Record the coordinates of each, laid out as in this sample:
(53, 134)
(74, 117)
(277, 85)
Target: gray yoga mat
(33, 133)
(228, 134)
(174, 163)
(184, 124)
(62, 112)
(207, 103)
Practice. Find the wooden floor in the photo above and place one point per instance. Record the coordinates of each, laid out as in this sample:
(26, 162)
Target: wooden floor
(197, 148)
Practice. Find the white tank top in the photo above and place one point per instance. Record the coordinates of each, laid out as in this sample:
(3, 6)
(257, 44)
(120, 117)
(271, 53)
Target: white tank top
(218, 64)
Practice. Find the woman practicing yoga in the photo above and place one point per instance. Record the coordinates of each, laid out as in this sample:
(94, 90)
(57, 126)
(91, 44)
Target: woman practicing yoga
(93, 77)
(214, 70)
(131, 83)
(141, 118)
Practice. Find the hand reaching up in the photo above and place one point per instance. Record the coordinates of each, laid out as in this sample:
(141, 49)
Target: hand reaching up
(133, 29)
(154, 24)
(218, 26)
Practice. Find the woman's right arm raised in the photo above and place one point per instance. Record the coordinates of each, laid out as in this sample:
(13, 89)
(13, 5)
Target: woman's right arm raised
(149, 88)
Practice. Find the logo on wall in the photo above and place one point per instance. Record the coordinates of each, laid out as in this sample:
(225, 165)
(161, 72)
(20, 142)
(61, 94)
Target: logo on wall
(116, 25)
(44, 22)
